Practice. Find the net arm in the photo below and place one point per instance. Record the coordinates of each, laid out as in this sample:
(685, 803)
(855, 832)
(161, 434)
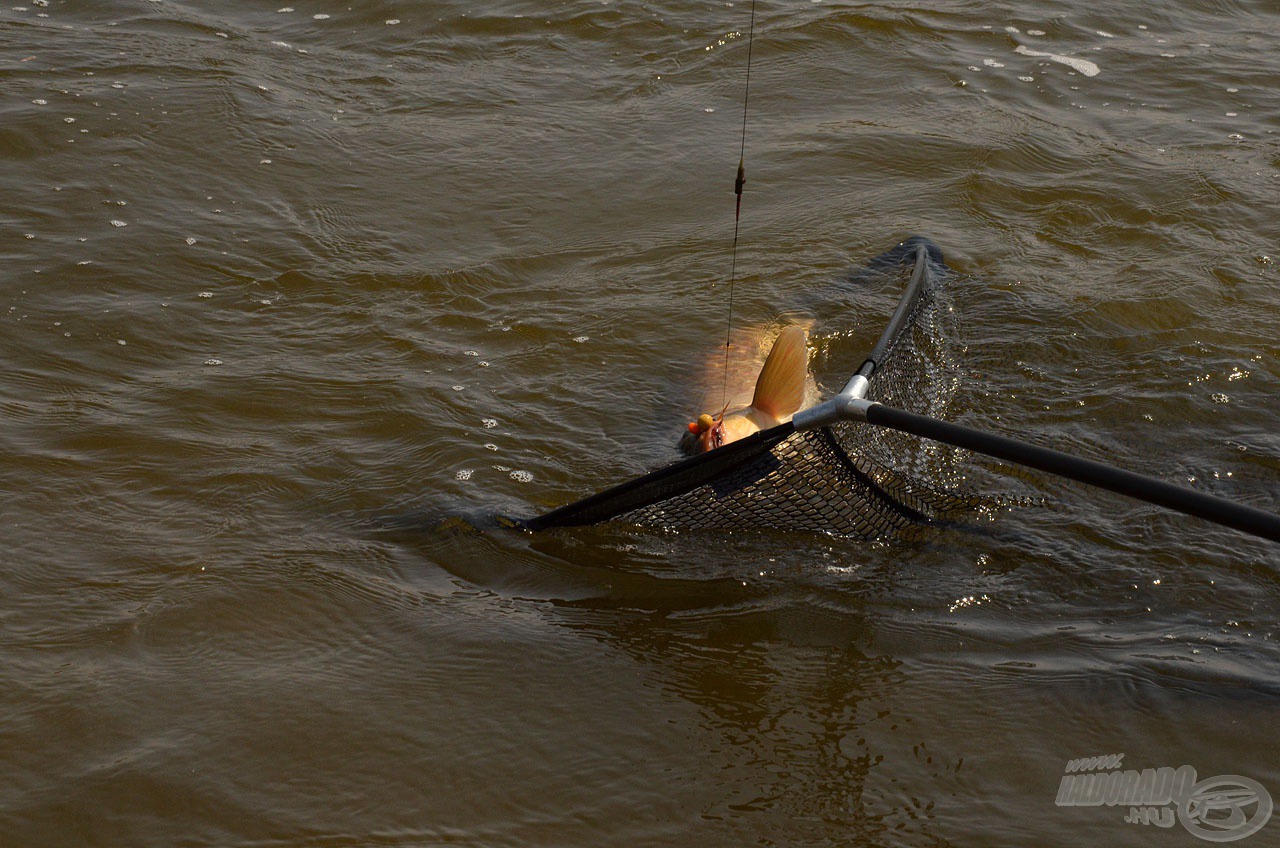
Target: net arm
(840, 407)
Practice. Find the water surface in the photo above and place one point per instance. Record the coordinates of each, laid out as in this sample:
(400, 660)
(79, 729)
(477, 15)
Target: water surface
(285, 285)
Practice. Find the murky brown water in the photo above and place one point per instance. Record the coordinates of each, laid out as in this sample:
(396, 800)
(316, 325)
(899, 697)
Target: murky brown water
(275, 278)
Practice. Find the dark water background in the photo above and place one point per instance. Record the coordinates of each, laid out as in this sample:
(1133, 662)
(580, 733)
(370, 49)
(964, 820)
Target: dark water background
(275, 274)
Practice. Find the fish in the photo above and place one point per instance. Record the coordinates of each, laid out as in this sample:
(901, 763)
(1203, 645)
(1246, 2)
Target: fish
(783, 387)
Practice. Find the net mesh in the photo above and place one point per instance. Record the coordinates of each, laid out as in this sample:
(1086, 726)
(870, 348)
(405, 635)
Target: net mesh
(849, 479)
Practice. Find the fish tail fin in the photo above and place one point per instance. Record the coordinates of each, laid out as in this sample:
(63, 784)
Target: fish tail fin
(780, 388)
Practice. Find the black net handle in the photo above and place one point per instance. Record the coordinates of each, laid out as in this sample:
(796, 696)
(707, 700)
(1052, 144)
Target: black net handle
(1200, 504)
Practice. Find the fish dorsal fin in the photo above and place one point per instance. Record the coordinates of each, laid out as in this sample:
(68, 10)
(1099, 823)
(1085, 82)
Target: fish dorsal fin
(780, 388)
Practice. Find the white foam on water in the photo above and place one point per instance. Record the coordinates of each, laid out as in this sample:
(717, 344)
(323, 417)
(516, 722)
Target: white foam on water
(1084, 66)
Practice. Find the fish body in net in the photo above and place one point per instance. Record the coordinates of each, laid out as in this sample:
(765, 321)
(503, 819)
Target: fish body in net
(782, 386)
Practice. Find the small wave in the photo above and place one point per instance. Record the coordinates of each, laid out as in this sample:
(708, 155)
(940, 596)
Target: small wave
(1084, 66)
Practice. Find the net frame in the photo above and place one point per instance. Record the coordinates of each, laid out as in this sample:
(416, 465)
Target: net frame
(830, 479)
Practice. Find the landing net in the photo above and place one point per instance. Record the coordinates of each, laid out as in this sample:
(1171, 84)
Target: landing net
(848, 479)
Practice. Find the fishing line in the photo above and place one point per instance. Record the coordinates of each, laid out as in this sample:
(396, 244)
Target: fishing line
(737, 207)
